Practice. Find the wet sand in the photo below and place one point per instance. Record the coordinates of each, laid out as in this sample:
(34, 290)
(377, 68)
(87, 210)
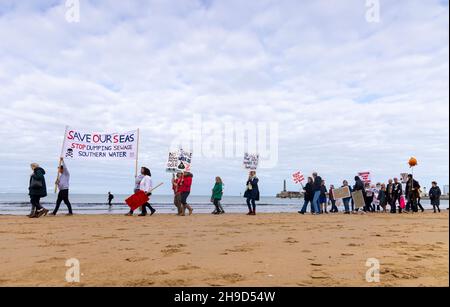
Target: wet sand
(228, 250)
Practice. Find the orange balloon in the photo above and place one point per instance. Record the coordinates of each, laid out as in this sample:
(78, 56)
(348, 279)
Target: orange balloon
(412, 162)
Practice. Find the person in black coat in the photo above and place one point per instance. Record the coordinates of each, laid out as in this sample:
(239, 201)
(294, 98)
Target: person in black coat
(36, 190)
(397, 192)
(412, 193)
(316, 187)
(252, 193)
(435, 196)
(359, 186)
(308, 196)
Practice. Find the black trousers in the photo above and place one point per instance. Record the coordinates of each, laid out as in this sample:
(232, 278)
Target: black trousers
(63, 196)
(144, 208)
(35, 203)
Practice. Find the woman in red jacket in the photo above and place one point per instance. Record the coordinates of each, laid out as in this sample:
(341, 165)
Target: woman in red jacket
(185, 190)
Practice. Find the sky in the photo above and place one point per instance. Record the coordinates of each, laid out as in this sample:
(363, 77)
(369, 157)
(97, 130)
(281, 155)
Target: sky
(348, 93)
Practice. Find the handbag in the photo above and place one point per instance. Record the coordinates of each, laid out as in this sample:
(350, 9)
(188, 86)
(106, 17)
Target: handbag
(35, 183)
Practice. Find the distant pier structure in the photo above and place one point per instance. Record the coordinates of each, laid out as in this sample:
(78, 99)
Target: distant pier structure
(288, 194)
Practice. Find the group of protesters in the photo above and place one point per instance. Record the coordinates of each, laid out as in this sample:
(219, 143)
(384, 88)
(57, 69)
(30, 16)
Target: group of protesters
(377, 197)
(316, 194)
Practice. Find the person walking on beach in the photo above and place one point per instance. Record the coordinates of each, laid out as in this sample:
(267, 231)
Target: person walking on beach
(317, 186)
(110, 198)
(390, 195)
(359, 186)
(412, 193)
(334, 208)
(37, 189)
(382, 197)
(252, 193)
(146, 186)
(217, 193)
(369, 198)
(397, 193)
(323, 198)
(63, 185)
(176, 182)
(435, 196)
(185, 190)
(308, 196)
(347, 200)
(137, 187)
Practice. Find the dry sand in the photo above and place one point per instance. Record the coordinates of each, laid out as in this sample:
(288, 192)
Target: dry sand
(228, 250)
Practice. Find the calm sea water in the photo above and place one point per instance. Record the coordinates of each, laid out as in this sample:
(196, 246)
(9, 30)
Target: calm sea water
(18, 204)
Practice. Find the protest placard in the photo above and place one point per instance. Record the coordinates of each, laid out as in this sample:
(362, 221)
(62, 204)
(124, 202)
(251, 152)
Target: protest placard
(251, 161)
(101, 146)
(358, 199)
(298, 177)
(184, 160)
(172, 162)
(341, 193)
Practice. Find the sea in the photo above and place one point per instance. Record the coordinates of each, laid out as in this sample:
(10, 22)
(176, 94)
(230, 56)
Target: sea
(18, 204)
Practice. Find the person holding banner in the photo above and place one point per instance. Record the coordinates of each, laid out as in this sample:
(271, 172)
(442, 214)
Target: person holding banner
(63, 186)
(359, 186)
(37, 189)
(137, 187)
(146, 186)
(185, 190)
(307, 196)
(347, 200)
(252, 193)
(176, 183)
(412, 193)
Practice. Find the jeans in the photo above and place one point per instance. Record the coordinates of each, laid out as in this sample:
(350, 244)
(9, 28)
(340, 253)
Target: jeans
(305, 206)
(346, 202)
(316, 202)
(334, 208)
(63, 195)
(144, 208)
(218, 206)
(251, 204)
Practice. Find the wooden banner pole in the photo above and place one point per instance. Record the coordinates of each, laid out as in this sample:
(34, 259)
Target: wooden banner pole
(137, 154)
(60, 157)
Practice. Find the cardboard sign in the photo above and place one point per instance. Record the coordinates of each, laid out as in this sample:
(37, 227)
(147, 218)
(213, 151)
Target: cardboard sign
(342, 193)
(172, 162)
(179, 161)
(251, 161)
(298, 177)
(358, 199)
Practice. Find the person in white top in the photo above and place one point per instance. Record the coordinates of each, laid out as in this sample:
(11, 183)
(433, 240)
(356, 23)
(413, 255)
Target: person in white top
(146, 186)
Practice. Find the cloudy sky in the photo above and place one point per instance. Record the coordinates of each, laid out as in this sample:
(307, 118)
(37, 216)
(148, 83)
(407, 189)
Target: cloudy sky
(348, 95)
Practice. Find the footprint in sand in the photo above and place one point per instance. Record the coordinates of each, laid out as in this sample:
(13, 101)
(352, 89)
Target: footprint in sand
(346, 254)
(239, 249)
(187, 267)
(172, 249)
(290, 241)
(136, 259)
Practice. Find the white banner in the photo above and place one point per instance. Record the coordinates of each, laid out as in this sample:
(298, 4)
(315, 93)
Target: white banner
(251, 161)
(88, 145)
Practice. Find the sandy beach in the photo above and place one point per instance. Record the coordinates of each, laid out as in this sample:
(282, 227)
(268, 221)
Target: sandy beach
(229, 250)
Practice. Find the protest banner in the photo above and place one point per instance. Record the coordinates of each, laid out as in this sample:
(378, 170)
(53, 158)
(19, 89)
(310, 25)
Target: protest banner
(365, 177)
(251, 161)
(342, 193)
(404, 177)
(88, 145)
(298, 177)
(179, 161)
(358, 199)
(172, 162)
(78, 144)
(184, 160)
